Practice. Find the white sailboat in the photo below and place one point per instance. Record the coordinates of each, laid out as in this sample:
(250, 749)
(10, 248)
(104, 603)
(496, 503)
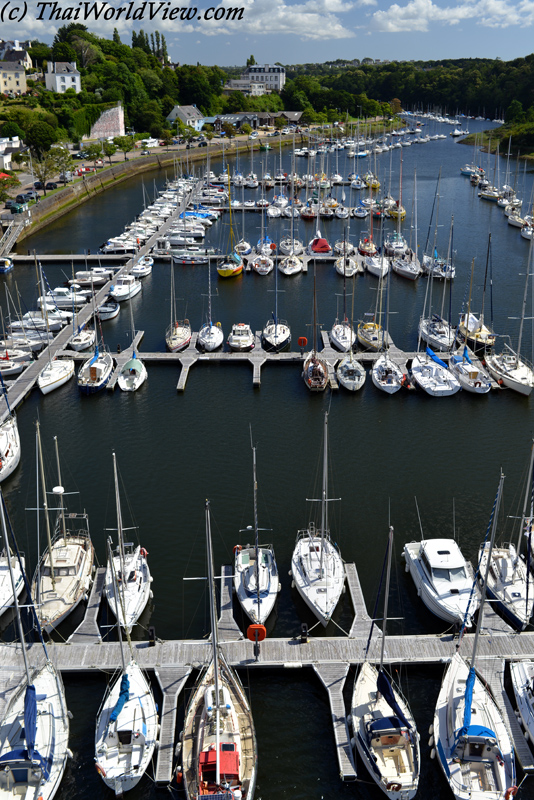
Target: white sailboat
(385, 734)
(6, 585)
(129, 594)
(509, 578)
(256, 579)
(219, 752)
(210, 335)
(276, 334)
(432, 375)
(58, 370)
(64, 574)
(34, 731)
(386, 374)
(127, 722)
(9, 440)
(315, 369)
(522, 673)
(472, 743)
(316, 565)
(133, 373)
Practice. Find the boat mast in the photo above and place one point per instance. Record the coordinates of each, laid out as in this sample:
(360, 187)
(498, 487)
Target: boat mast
(324, 494)
(58, 491)
(115, 587)
(256, 529)
(45, 507)
(529, 261)
(386, 598)
(529, 495)
(121, 544)
(214, 638)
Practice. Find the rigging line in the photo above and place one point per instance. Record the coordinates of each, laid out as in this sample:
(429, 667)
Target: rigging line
(419, 518)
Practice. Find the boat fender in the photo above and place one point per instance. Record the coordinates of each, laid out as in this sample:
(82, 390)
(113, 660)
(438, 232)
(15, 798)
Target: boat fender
(237, 549)
(477, 384)
(431, 730)
(393, 787)
(433, 753)
(431, 741)
(179, 778)
(101, 771)
(143, 552)
(511, 792)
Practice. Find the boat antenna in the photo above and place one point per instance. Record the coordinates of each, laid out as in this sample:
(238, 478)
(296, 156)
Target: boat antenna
(58, 491)
(419, 518)
(386, 598)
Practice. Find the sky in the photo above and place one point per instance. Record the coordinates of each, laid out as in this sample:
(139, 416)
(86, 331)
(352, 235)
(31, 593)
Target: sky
(293, 31)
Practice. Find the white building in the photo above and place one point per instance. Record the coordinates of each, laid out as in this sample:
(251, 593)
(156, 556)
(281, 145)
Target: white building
(272, 75)
(16, 52)
(248, 88)
(63, 75)
(189, 115)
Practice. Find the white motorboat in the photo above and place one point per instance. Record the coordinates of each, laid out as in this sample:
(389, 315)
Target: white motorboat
(128, 580)
(126, 730)
(432, 375)
(219, 753)
(241, 337)
(125, 287)
(9, 368)
(63, 297)
(34, 731)
(316, 565)
(443, 579)
(350, 373)
(109, 309)
(56, 373)
(143, 267)
(385, 733)
(97, 276)
(83, 339)
(256, 579)
(387, 375)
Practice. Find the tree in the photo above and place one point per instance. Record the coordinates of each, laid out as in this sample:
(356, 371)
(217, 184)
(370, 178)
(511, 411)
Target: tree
(109, 150)
(63, 51)
(166, 138)
(40, 137)
(279, 123)
(63, 159)
(94, 152)
(396, 105)
(125, 144)
(251, 61)
(10, 129)
(246, 129)
(11, 182)
(44, 168)
(229, 130)
(514, 112)
(116, 37)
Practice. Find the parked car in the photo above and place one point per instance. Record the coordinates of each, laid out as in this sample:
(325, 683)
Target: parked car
(31, 194)
(37, 185)
(21, 198)
(145, 152)
(202, 144)
(10, 203)
(19, 208)
(65, 176)
(51, 185)
(253, 135)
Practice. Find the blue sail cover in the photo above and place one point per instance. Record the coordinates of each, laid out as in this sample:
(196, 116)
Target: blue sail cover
(435, 358)
(123, 697)
(466, 356)
(468, 700)
(30, 719)
(386, 690)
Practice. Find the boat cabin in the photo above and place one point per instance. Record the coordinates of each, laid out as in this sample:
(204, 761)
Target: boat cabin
(443, 561)
(228, 771)
(18, 771)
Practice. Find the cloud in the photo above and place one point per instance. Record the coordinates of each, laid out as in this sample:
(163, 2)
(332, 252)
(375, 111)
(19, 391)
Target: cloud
(418, 15)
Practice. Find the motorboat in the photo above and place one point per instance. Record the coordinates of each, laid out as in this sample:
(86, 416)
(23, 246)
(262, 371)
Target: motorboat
(143, 267)
(241, 337)
(316, 565)
(83, 339)
(97, 276)
(522, 674)
(67, 297)
(443, 579)
(125, 287)
(108, 310)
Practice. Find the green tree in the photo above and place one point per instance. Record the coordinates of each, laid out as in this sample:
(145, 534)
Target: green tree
(10, 129)
(63, 159)
(251, 61)
(229, 130)
(63, 51)
(109, 150)
(246, 129)
(6, 184)
(125, 144)
(514, 112)
(40, 137)
(94, 152)
(44, 168)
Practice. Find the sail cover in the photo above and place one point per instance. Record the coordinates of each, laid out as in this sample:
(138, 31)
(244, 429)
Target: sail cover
(386, 690)
(468, 701)
(123, 697)
(435, 358)
(30, 719)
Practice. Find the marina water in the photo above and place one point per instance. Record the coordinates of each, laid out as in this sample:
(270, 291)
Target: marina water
(174, 450)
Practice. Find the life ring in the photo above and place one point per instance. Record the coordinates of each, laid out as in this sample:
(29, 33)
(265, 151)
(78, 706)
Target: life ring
(511, 792)
(143, 552)
(477, 384)
(393, 787)
(100, 770)
(237, 549)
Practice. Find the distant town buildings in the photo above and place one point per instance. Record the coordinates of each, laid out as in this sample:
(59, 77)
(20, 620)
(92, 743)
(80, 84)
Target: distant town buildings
(189, 115)
(16, 52)
(7, 148)
(63, 75)
(272, 76)
(12, 79)
(246, 87)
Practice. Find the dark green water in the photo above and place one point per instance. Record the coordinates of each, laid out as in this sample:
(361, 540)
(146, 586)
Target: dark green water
(175, 450)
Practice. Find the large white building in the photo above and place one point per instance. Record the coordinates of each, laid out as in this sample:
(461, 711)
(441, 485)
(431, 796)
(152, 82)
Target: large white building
(63, 75)
(272, 75)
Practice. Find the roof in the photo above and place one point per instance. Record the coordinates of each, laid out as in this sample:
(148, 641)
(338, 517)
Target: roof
(8, 66)
(190, 111)
(15, 55)
(443, 553)
(64, 67)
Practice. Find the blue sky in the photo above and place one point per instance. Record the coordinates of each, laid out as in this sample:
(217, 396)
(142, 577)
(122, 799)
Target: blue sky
(298, 31)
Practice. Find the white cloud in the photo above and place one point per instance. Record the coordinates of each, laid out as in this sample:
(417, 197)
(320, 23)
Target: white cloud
(418, 15)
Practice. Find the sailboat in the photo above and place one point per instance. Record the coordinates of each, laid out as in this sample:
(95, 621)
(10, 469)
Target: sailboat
(129, 594)
(127, 722)
(34, 731)
(276, 335)
(472, 329)
(316, 565)
(472, 743)
(133, 373)
(433, 376)
(510, 576)
(178, 334)
(94, 373)
(385, 734)
(315, 369)
(386, 374)
(342, 333)
(232, 265)
(256, 578)
(472, 378)
(210, 335)
(370, 333)
(407, 264)
(9, 440)
(349, 372)
(64, 574)
(219, 752)
(508, 366)
(434, 329)
(58, 370)
(6, 585)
